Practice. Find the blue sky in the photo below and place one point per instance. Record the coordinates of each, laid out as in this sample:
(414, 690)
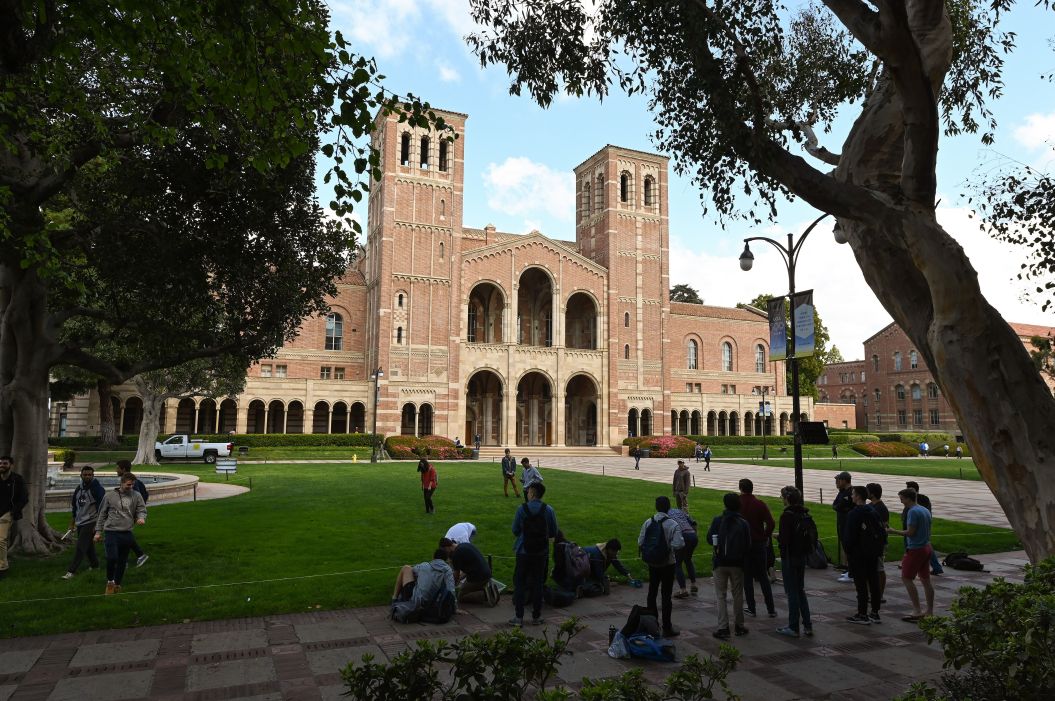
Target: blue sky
(519, 160)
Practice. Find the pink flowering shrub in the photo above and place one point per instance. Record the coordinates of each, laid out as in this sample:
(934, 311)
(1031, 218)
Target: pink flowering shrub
(432, 447)
(665, 446)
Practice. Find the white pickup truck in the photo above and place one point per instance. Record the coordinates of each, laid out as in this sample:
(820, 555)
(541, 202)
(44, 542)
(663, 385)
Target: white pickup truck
(184, 447)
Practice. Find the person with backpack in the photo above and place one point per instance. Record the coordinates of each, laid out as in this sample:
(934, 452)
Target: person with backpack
(730, 536)
(509, 474)
(923, 500)
(797, 538)
(429, 482)
(682, 482)
(916, 561)
(864, 538)
(875, 500)
(425, 592)
(842, 505)
(534, 526)
(85, 502)
(529, 476)
(571, 565)
(683, 557)
(659, 539)
(706, 458)
(760, 521)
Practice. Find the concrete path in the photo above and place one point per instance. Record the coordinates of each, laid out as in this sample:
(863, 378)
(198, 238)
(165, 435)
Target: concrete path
(962, 500)
(298, 656)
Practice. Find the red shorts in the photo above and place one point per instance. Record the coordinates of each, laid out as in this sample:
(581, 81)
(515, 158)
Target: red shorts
(916, 563)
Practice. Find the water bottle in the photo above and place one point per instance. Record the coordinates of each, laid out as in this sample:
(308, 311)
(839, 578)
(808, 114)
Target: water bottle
(611, 634)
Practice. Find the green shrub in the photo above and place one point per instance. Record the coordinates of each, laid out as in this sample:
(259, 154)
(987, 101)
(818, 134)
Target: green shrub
(435, 447)
(253, 440)
(885, 449)
(998, 641)
(835, 437)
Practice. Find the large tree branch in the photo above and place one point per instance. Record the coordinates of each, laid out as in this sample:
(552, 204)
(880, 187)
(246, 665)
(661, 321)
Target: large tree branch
(812, 145)
(861, 21)
(78, 357)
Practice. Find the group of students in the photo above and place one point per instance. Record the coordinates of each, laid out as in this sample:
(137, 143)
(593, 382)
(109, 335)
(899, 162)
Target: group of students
(529, 476)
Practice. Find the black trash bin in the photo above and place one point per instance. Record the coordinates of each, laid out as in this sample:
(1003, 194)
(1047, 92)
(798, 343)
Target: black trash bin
(645, 452)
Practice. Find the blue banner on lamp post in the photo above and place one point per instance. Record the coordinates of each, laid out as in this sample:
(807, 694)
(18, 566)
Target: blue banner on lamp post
(802, 323)
(778, 330)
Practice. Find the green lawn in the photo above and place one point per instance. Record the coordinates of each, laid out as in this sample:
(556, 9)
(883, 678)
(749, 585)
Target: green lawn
(331, 536)
(910, 467)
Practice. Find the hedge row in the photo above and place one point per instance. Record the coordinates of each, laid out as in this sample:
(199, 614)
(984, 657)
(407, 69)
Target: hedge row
(253, 440)
(839, 438)
(435, 447)
(932, 438)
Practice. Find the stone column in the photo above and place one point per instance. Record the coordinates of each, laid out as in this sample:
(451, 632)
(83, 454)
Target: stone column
(285, 420)
(171, 407)
(309, 420)
(560, 430)
(241, 422)
(267, 416)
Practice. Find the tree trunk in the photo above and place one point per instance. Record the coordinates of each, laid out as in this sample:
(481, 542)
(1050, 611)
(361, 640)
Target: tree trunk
(148, 430)
(107, 430)
(29, 446)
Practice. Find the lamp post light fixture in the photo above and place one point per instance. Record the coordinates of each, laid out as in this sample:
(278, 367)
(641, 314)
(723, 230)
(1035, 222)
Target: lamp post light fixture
(790, 254)
(376, 377)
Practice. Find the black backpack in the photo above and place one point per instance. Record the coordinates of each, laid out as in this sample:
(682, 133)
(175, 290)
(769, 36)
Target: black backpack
(655, 550)
(804, 536)
(441, 609)
(734, 538)
(817, 558)
(873, 536)
(963, 561)
(535, 531)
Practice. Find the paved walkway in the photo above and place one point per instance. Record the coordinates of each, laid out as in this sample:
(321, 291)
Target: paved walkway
(298, 656)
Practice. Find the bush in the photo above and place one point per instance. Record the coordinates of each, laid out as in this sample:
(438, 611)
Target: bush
(666, 446)
(253, 440)
(998, 640)
(512, 665)
(435, 447)
(886, 449)
(835, 437)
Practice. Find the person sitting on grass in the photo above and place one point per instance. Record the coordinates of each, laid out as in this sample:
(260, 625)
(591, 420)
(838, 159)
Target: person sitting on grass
(472, 574)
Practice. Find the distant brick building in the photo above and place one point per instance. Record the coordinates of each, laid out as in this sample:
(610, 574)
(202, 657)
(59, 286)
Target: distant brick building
(520, 339)
(893, 389)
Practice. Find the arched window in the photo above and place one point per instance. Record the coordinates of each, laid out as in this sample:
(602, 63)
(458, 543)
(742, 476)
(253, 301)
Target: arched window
(399, 300)
(650, 191)
(897, 361)
(913, 359)
(875, 363)
(727, 356)
(424, 153)
(899, 391)
(760, 358)
(694, 354)
(441, 250)
(334, 331)
(586, 200)
(599, 203)
(444, 145)
(443, 208)
(917, 394)
(399, 335)
(932, 390)
(626, 351)
(626, 320)
(404, 149)
(878, 395)
(624, 187)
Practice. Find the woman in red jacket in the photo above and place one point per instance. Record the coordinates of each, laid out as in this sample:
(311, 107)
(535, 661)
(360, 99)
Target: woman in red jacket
(428, 483)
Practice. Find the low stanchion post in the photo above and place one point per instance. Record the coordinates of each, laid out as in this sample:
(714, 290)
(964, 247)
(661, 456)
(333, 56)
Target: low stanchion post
(195, 491)
(602, 470)
(694, 480)
(822, 495)
(961, 473)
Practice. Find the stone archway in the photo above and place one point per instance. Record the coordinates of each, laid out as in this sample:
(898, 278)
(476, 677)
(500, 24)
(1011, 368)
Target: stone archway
(132, 417)
(228, 415)
(646, 422)
(580, 322)
(295, 417)
(406, 420)
(339, 418)
(683, 423)
(580, 411)
(712, 423)
(723, 423)
(694, 423)
(425, 414)
(358, 418)
(207, 416)
(185, 416)
(674, 422)
(320, 421)
(484, 320)
(276, 417)
(734, 424)
(534, 404)
(631, 423)
(483, 408)
(254, 417)
(535, 309)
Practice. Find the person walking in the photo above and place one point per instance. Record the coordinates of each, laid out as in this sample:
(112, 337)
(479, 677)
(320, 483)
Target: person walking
(875, 500)
(864, 538)
(509, 474)
(923, 500)
(635, 453)
(760, 521)
(529, 476)
(534, 527)
(707, 458)
(13, 499)
(794, 547)
(959, 452)
(698, 452)
(730, 536)
(683, 556)
(660, 538)
(842, 505)
(682, 482)
(917, 553)
(124, 467)
(84, 504)
(121, 510)
(835, 452)
(429, 482)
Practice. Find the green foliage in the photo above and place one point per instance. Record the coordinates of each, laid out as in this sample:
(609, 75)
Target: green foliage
(998, 640)
(512, 665)
(685, 293)
(1043, 356)
(248, 439)
(435, 447)
(886, 449)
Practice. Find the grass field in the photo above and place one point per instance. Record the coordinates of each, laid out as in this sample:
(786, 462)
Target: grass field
(332, 536)
(950, 468)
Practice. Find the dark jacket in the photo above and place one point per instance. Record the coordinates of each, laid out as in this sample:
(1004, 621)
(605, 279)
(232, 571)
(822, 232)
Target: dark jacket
(92, 497)
(716, 524)
(758, 517)
(856, 547)
(597, 559)
(788, 519)
(13, 495)
(533, 508)
(843, 504)
(142, 489)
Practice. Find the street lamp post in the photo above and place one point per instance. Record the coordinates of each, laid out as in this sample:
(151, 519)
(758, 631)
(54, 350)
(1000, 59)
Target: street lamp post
(790, 254)
(376, 377)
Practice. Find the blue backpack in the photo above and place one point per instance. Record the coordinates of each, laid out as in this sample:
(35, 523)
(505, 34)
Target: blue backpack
(646, 647)
(655, 550)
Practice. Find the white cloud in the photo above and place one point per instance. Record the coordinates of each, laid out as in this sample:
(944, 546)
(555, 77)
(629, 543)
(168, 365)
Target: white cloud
(448, 74)
(521, 187)
(1037, 132)
(387, 28)
(848, 306)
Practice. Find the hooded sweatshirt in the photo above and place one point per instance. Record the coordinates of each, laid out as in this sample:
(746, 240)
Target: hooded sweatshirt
(120, 511)
(430, 579)
(85, 502)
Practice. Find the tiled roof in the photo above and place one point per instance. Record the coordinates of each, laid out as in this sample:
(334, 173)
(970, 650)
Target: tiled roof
(1030, 330)
(688, 309)
(352, 277)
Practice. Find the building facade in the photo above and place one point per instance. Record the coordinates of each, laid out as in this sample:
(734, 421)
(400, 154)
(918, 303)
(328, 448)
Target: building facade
(517, 339)
(892, 389)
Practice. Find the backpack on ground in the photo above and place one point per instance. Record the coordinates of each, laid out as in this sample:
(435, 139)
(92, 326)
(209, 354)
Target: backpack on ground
(655, 550)
(963, 561)
(535, 531)
(576, 561)
(734, 538)
(646, 647)
(557, 597)
(440, 609)
(405, 612)
(817, 559)
(804, 536)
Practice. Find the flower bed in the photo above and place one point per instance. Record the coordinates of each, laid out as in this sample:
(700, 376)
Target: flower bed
(886, 449)
(665, 446)
(432, 447)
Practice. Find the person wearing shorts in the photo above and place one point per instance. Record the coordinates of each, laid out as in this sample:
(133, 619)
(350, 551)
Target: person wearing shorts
(916, 562)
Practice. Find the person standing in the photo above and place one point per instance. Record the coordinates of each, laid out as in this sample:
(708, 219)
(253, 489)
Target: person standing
(835, 452)
(529, 476)
(683, 556)
(760, 521)
(731, 537)
(13, 499)
(84, 504)
(429, 482)
(923, 500)
(793, 550)
(917, 553)
(959, 451)
(875, 500)
(124, 467)
(121, 510)
(509, 474)
(842, 505)
(698, 452)
(534, 527)
(864, 538)
(682, 482)
(707, 458)
(635, 453)
(660, 538)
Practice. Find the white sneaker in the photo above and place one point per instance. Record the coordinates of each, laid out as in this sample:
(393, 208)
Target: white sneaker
(68, 575)
(141, 560)
(844, 578)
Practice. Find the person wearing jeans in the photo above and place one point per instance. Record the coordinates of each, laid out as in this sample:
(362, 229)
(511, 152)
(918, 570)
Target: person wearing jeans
(756, 566)
(84, 504)
(124, 467)
(534, 528)
(683, 557)
(793, 565)
(121, 510)
(727, 529)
